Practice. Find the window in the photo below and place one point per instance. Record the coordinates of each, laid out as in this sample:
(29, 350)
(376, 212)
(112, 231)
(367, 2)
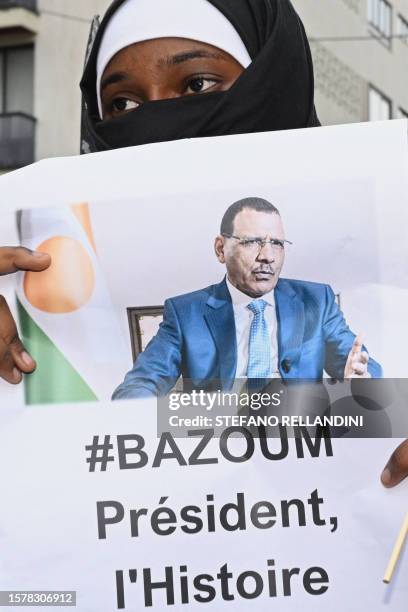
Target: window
(30, 5)
(17, 124)
(16, 80)
(402, 29)
(379, 106)
(380, 17)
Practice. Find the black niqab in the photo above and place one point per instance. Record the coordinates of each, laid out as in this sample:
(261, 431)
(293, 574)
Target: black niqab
(276, 92)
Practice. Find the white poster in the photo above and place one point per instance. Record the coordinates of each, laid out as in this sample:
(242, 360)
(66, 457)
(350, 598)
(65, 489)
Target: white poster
(98, 503)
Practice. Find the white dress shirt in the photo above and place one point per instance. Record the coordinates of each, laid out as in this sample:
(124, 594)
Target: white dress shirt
(243, 321)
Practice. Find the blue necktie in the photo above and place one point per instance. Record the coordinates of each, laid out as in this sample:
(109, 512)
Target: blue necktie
(259, 359)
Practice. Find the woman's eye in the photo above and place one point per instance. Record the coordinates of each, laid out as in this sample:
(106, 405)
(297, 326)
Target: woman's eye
(124, 105)
(200, 84)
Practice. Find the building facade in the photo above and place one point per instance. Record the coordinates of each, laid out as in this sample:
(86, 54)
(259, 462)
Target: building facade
(42, 50)
(360, 51)
(360, 54)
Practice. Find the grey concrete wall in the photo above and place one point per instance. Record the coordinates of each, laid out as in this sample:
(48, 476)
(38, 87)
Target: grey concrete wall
(59, 56)
(345, 69)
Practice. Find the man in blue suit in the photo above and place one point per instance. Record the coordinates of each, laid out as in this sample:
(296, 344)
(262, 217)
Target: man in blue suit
(251, 325)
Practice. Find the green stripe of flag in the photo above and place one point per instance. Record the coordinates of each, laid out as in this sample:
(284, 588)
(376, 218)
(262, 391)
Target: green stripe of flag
(54, 380)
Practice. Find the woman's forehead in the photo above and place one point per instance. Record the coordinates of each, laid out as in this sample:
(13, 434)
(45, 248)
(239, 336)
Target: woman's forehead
(165, 52)
(137, 21)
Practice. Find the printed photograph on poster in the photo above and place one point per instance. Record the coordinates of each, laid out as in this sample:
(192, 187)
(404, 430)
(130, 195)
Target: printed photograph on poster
(165, 283)
(318, 252)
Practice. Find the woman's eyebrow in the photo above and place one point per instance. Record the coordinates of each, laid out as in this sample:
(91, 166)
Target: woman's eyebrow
(116, 77)
(185, 56)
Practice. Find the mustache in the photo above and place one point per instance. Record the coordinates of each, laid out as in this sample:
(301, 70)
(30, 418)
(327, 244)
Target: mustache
(265, 269)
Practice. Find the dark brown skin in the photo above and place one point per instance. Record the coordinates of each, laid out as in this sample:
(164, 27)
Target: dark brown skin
(162, 69)
(14, 359)
(397, 467)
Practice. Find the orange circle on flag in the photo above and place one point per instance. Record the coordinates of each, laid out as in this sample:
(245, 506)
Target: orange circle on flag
(68, 283)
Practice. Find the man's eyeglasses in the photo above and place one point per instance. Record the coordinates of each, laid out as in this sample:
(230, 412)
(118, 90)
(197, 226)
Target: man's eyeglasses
(257, 244)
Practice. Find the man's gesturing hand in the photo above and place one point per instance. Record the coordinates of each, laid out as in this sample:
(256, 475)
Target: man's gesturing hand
(397, 466)
(14, 359)
(357, 361)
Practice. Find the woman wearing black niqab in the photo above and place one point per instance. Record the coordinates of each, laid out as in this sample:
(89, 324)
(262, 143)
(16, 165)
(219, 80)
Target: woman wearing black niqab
(274, 92)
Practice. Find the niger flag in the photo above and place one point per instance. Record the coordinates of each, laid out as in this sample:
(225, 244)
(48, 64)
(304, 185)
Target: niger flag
(66, 315)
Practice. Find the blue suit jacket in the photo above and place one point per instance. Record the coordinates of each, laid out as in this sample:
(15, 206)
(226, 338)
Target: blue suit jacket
(197, 340)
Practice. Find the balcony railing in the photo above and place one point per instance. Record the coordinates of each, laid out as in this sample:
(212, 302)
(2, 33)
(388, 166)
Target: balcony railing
(30, 5)
(17, 140)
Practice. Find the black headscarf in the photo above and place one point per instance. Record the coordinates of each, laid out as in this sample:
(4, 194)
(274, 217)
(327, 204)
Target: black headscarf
(276, 92)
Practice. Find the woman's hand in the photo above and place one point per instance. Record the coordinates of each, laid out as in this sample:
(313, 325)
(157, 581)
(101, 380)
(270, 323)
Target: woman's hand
(397, 466)
(14, 359)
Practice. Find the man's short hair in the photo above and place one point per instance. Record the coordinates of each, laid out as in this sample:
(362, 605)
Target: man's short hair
(258, 204)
